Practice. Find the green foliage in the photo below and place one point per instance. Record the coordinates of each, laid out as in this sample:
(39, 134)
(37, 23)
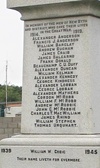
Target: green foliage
(14, 93)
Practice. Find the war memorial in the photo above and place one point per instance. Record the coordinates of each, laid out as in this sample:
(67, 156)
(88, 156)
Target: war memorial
(61, 86)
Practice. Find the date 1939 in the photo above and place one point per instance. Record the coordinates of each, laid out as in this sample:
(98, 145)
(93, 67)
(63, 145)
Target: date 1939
(5, 150)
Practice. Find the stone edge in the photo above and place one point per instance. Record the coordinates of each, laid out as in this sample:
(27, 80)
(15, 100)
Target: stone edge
(69, 8)
(21, 3)
(39, 140)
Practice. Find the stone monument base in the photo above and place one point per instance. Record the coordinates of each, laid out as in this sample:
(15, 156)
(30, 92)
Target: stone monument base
(52, 151)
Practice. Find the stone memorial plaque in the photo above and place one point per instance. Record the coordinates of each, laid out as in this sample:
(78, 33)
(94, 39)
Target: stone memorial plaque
(51, 157)
(61, 86)
(56, 86)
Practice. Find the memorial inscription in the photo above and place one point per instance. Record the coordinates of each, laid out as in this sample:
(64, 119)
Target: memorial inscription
(55, 72)
(54, 156)
(61, 88)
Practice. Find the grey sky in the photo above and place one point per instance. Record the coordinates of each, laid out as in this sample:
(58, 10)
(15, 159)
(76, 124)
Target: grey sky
(11, 45)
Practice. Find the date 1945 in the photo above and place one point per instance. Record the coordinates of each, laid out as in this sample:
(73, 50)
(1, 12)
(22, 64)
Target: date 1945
(91, 151)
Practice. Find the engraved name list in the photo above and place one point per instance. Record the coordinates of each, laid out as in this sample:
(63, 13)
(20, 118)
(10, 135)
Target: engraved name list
(55, 72)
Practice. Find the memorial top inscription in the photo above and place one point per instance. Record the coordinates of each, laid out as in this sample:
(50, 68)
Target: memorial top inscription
(54, 75)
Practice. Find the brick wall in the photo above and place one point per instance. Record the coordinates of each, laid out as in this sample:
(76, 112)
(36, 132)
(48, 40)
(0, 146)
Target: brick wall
(9, 126)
